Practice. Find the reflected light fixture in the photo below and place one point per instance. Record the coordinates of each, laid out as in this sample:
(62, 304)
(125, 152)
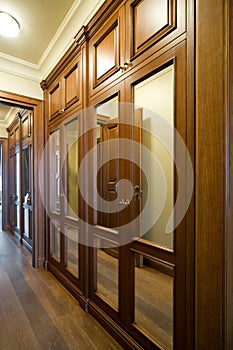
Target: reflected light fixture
(9, 26)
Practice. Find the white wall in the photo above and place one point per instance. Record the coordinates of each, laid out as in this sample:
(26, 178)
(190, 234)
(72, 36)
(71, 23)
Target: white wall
(3, 132)
(23, 86)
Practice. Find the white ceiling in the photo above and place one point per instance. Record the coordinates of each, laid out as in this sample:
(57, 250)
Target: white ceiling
(39, 21)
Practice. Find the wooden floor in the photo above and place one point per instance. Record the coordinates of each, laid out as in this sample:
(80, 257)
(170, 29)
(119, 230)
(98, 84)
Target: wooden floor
(36, 312)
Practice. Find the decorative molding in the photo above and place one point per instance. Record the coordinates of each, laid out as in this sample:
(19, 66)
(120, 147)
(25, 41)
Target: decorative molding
(21, 75)
(81, 36)
(18, 60)
(60, 30)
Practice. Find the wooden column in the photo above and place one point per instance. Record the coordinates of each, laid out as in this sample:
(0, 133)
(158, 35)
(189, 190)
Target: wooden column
(211, 173)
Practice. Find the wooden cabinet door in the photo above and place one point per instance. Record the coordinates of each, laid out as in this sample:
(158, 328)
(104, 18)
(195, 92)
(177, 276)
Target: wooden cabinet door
(65, 93)
(71, 84)
(26, 125)
(150, 25)
(106, 52)
(11, 141)
(54, 100)
(160, 90)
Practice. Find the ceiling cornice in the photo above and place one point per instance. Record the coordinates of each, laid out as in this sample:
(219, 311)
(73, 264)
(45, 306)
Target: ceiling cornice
(62, 40)
(60, 30)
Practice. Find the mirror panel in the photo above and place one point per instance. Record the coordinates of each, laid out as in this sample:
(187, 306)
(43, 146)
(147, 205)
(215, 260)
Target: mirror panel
(154, 300)
(155, 97)
(54, 160)
(71, 168)
(54, 240)
(107, 263)
(72, 249)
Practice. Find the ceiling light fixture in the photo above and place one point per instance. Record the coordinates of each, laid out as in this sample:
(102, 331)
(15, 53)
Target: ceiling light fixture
(9, 26)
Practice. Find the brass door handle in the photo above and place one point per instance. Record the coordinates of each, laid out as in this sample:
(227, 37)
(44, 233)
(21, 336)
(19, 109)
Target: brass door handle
(124, 202)
(137, 192)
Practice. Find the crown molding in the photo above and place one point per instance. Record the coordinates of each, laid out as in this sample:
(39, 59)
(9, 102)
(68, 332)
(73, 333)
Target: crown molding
(60, 30)
(30, 77)
(59, 45)
(18, 61)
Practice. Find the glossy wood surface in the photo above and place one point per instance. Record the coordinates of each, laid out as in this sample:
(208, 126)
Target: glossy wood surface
(38, 310)
(211, 174)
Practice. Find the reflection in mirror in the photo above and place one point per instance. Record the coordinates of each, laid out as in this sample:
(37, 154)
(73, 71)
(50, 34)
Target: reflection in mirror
(18, 179)
(154, 301)
(107, 272)
(71, 144)
(72, 249)
(156, 97)
(26, 171)
(54, 240)
(54, 161)
(18, 176)
(107, 128)
(27, 223)
(18, 217)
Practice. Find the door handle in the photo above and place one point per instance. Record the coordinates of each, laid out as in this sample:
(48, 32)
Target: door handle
(137, 192)
(124, 202)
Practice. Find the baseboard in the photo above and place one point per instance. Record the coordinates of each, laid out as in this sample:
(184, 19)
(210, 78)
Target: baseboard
(68, 284)
(122, 337)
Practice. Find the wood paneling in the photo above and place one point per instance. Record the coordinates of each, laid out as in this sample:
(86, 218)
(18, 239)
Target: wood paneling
(17, 134)
(105, 51)
(151, 19)
(26, 125)
(211, 174)
(54, 100)
(72, 83)
(229, 243)
(11, 140)
(5, 189)
(105, 54)
(65, 92)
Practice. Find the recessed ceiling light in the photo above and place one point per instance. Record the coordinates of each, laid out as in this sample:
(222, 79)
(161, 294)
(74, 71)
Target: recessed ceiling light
(9, 26)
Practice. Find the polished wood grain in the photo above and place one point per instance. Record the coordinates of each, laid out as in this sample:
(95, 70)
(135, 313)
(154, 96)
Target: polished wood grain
(36, 312)
(229, 316)
(5, 200)
(157, 16)
(211, 174)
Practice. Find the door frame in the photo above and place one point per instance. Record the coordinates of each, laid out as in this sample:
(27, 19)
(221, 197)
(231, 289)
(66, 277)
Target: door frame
(5, 218)
(38, 251)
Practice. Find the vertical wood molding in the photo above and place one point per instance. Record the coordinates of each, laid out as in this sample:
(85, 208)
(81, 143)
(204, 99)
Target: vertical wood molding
(211, 173)
(5, 218)
(39, 228)
(229, 294)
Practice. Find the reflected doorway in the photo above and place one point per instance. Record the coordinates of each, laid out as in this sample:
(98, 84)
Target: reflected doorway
(0, 186)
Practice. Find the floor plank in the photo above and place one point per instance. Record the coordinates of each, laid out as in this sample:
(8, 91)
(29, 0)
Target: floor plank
(36, 312)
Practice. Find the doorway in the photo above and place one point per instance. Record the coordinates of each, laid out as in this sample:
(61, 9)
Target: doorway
(37, 145)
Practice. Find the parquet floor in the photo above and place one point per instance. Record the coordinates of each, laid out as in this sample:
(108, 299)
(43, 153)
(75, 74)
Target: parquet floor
(37, 313)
